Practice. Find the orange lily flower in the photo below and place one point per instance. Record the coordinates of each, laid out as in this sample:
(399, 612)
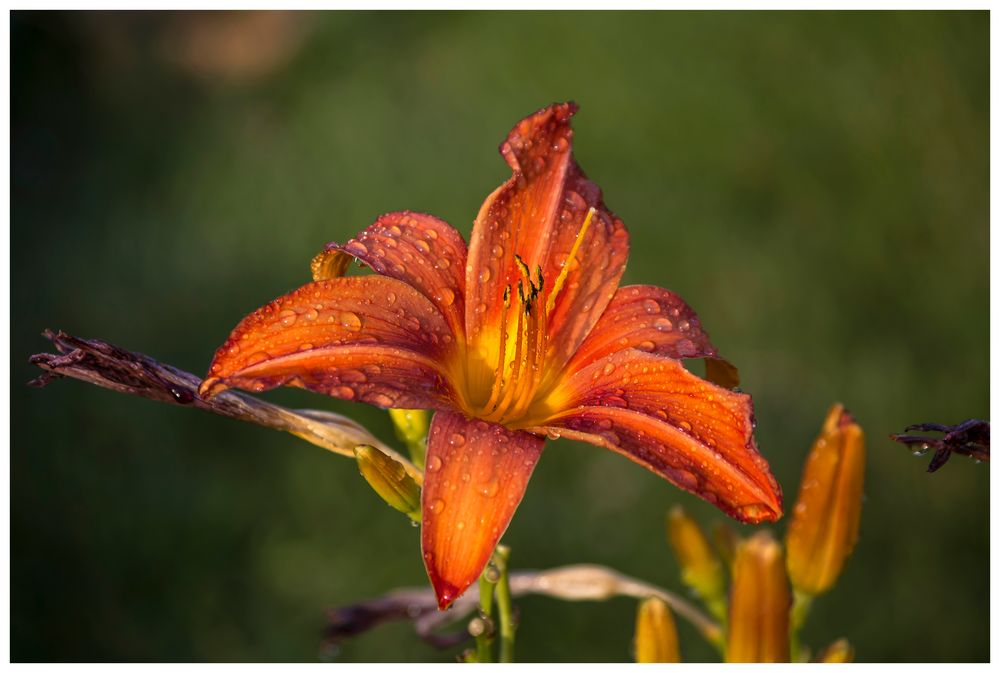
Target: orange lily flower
(523, 335)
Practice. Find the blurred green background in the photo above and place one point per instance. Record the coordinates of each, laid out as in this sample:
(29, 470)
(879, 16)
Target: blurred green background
(814, 184)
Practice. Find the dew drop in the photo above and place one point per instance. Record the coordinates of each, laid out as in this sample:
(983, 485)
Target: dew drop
(380, 400)
(442, 263)
(390, 298)
(498, 251)
(288, 317)
(685, 426)
(457, 439)
(430, 233)
(353, 376)
(434, 464)
(490, 488)
(436, 506)
(484, 275)
(256, 358)
(663, 324)
(350, 321)
(647, 346)
(575, 201)
(422, 245)
(311, 314)
(343, 392)
(651, 306)
(445, 295)
(608, 368)
(684, 325)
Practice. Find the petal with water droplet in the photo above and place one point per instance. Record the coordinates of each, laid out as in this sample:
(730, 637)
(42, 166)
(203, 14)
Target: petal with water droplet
(422, 251)
(343, 337)
(470, 496)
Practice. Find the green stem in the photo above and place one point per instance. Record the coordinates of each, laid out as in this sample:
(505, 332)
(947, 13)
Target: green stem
(800, 610)
(487, 584)
(504, 606)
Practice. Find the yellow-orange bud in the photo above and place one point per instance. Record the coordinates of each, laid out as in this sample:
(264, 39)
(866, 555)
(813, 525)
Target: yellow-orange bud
(700, 566)
(759, 603)
(655, 634)
(824, 525)
(389, 479)
(837, 652)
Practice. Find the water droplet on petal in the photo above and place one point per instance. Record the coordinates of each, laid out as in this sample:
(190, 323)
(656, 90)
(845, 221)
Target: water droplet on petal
(256, 358)
(490, 488)
(430, 233)
(390, 298)
(651, 306)
(422, 245)
(608, 368)
(445, 295)
(380, 400)
(457, 439)
(350, 321)
(288, 317)
(663, 324)
(484, 275)
(436, 506)
(685, 426)
(311, 314)
(434, 464)
(647, 346)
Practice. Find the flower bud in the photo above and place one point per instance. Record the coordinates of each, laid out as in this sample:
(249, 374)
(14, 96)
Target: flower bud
(411, 428)
(655, 634)
(389, 479)
(837, 652)
(759, 603)
(824, 525)
(700, 566)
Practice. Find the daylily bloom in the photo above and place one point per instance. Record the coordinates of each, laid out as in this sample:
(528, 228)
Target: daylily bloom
(522, 335)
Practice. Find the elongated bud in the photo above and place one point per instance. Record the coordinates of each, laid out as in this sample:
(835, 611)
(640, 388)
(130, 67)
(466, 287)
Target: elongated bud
(700, 566)
(655, 634)
(759, 603)
(389, 479)
(824, 525)
(837, 652)
(411, 428)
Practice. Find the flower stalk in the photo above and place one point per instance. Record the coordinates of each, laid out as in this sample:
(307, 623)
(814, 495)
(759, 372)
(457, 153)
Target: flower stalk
(505, 608)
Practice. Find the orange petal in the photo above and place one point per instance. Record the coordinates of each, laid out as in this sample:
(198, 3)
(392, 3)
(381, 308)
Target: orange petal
(538, 214)
(419, 250)
(650, 319)
(475, 476)
(368, 338)
(696, 434)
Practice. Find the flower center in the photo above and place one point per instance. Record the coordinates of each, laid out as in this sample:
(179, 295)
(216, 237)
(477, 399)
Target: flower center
(505, 380)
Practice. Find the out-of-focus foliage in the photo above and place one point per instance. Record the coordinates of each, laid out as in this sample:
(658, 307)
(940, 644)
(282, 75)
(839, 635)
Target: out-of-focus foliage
(814, 184)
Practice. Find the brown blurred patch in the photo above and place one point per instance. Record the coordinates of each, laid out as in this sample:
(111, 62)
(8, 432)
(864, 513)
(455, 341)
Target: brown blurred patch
(237, 47)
